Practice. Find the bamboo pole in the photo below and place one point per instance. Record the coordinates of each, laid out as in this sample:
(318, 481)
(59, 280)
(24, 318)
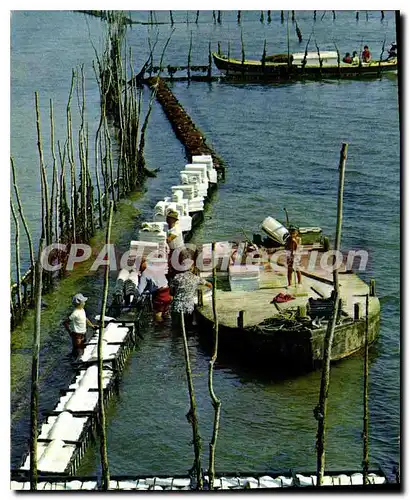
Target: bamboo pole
(171, 17)
(366, 398)
(101, 410)
(216, 402)
(314, 15)
(239, 17)
(34, 371)
(30, 242)
(321, 409)
(382, 14)
(282, 17)
(357, 15)
(192, 414)
(269, 17)
(334, 14)
(261, 19)
(213, 16)
(219, 17)
(197, 17)
(17, 248)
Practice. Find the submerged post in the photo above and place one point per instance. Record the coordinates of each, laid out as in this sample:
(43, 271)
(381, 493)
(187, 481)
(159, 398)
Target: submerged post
(34, 370)
(216, 403)
(321, 409)
(366, 397)
(101, 410)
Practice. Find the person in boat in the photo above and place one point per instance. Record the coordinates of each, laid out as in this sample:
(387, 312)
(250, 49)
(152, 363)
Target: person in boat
(292, 244)
(154, 281)
(175, 238)
(355, 58)
(366, 55)
(184, 286)
(347, 59)
(76, 323)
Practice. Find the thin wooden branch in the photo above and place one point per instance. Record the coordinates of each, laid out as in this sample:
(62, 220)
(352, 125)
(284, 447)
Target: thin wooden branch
(216, 403)
(192, 414)
(34, 371)
(101, 409)
(17, 249)
(321, 409)
(30, 242)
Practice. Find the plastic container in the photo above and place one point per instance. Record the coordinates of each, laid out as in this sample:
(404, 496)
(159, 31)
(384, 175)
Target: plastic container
(275, 230)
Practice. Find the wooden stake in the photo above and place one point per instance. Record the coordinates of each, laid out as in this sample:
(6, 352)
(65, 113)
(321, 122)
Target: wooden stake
(269, 17)
(216, 403)
(101, 410)
(282, 17)
(17, 248)
(46, 213)
(366, 397)
(209, 62)
(321, 409)
(34, 371)
(239, 17)
(192, 414)
(197, 17)
(219, 17)
(54, 185)
(70, 156)
(189, 58)
(30, 242)
(261, 19)
(171, 17)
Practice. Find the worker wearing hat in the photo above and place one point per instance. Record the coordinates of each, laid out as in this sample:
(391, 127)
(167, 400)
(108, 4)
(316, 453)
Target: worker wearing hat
(76, 323)
(175, 238)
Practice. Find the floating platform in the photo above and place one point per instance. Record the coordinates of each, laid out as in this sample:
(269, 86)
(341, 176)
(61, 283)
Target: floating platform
(282, 334)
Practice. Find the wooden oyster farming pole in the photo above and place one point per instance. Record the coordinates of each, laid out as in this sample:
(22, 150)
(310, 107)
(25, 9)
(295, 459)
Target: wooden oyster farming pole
(321, 409)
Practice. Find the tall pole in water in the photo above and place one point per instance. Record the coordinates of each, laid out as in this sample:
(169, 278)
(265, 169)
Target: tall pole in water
(287, 30)
(34, 368)
(320, 411)
(366, 397)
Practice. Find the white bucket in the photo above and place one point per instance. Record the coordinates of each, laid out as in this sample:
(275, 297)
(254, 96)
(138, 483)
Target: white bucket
(275, 230)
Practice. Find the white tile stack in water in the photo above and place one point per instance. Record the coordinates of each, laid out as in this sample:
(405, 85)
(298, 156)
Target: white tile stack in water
(244, 278)
(141, 248)
(211, 172)
(223, 253)
(196, 174)
(154, 232)
(180, 205)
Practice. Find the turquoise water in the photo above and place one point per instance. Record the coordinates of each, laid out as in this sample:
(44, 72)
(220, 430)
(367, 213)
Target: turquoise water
(281, 144)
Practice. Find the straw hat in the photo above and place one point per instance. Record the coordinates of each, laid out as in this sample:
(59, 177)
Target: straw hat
(173, 214)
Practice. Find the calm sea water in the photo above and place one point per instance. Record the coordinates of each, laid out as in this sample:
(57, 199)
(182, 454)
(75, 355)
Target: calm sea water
(281, 144)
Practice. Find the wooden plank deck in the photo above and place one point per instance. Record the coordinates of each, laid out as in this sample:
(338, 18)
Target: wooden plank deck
(258, 307)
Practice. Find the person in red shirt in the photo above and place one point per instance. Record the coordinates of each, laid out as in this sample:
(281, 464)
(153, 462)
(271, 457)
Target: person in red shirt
(366, 56)
(347, 58)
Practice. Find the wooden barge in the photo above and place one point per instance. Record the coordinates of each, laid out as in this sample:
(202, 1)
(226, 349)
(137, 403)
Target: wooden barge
(289, 336)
